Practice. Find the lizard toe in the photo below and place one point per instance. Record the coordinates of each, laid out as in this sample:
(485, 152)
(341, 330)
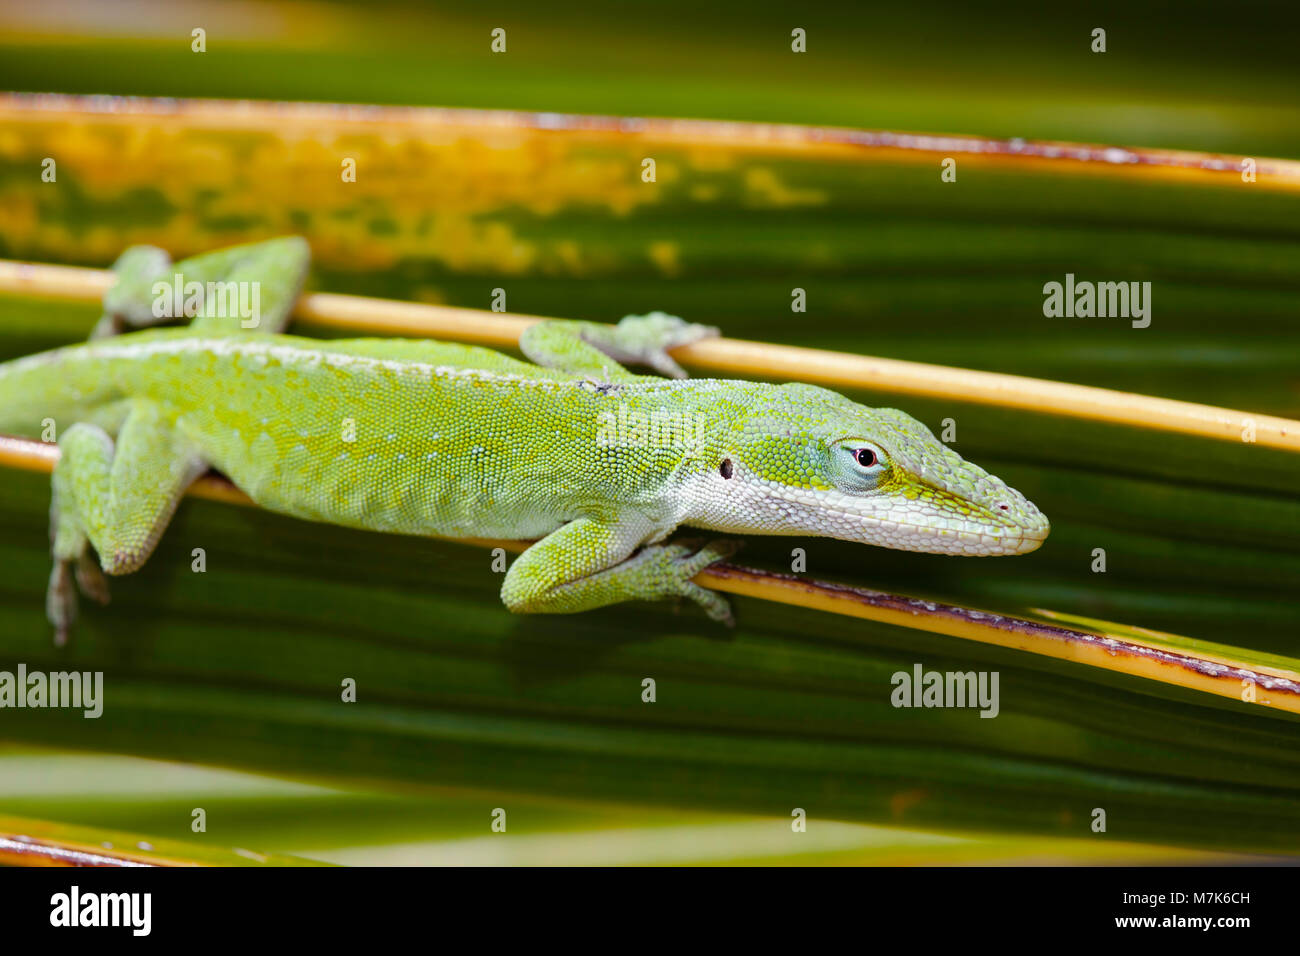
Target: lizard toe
(61, 602)
(90, 578)
(715, 605)
(711, 553)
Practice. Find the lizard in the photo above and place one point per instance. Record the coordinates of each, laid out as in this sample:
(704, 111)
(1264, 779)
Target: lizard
(594, 463)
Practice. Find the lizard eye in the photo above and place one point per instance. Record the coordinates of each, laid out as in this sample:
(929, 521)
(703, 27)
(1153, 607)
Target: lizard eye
(859, 467)
(868, 461)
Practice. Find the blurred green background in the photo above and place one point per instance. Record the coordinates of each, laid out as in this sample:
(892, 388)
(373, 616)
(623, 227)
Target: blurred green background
(240, 667)
(1191, 76)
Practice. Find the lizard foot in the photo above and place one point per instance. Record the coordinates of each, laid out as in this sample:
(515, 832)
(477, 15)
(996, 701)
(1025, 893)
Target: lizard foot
(128, 303)
(66, 580)
(687, 558)
(647, 339)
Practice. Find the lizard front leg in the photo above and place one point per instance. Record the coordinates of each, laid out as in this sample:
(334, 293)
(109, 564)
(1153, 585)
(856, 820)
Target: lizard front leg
(116, 497)
(589, 564)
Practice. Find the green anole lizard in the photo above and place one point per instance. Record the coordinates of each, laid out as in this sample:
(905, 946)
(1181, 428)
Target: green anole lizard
(423, 437)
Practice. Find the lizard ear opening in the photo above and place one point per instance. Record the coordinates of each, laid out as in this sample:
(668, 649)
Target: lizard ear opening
(725, 468)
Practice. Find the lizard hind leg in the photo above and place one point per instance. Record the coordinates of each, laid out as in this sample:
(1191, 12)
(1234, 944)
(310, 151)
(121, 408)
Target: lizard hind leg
(250, 288)
(118, 498)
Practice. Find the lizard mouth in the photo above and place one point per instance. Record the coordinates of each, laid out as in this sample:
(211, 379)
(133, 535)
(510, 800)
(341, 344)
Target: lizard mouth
(1031, 540)
(976, 541)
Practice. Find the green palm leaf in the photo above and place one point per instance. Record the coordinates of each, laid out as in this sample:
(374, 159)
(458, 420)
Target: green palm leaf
(241, 666)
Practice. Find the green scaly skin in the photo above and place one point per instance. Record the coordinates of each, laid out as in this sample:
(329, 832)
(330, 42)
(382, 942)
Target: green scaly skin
(432, 438)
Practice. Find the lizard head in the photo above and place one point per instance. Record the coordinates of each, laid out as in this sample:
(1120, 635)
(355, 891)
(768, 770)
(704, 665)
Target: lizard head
(809, 461)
